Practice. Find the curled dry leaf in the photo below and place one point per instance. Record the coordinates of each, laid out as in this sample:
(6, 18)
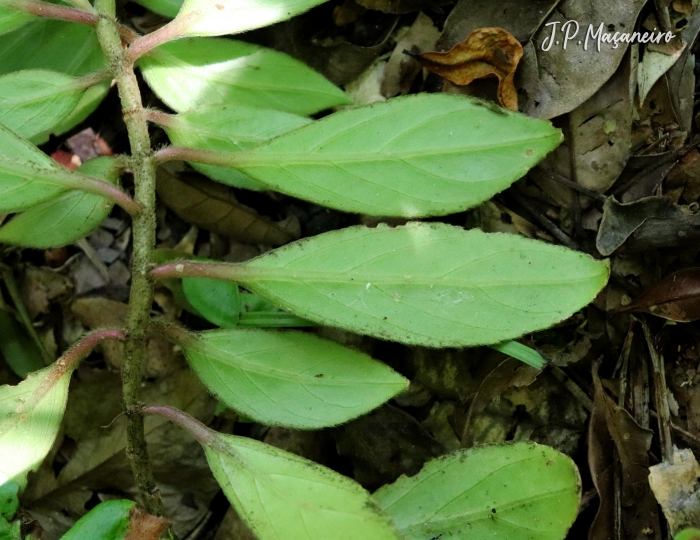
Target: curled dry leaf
(620, 221)
(676, 297)
(487, 52)
(213, 207)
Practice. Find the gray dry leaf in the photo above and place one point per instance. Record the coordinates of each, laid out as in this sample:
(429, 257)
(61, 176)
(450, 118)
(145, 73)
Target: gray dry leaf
(557, 81)
(402, 68)
(676, 489)
(600, 135)
(620, 221)
(681, 76)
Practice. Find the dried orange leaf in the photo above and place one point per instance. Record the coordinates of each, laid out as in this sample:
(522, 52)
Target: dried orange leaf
(487, 52)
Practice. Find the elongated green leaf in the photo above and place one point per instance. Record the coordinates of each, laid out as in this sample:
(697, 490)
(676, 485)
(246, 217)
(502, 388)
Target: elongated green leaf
(67, 218)
(190, 73)
(25, 173)
(421, 155)
(290, 378)
(208, 18)
(217, 301)
(229, 128)
(168, 8)
(426, 283)
(259, 313)
(521, 352)
(11, 19)
(19, 351)
(109, 520)
(61, 46)
(35, 101)
(283, 496)
(30, 415)
(521, 491)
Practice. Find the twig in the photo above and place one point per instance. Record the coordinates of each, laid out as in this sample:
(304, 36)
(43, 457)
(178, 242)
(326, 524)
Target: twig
(661, 401)
(551, 228)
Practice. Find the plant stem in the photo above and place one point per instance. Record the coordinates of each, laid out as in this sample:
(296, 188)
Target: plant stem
(144, 227)
(171, 31)
(195, 428)
(210, 157)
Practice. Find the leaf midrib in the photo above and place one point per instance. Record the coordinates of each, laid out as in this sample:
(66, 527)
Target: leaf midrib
(269, 155)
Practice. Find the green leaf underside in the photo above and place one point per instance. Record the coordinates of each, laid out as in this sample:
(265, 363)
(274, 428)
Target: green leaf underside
(34, 101)
(190, 73)
(426, 283)
(217, 301)
(30, 415)
(290, 378)
(229, 128)
(420, 155)
(11, 19)
(235, 16)
(67, 218)
(520, 491)
(61, 46)
(521, 352)
(109, 520)
(168, 8)
(25, 173)
(284, 497)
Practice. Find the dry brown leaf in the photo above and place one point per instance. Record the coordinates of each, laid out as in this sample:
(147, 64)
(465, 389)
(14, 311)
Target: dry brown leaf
(487, 52)
(676, 297)
(213, 207)
(144, 526)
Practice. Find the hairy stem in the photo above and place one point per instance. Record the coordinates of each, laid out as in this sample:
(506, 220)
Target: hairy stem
(198, 430)
(144, 227)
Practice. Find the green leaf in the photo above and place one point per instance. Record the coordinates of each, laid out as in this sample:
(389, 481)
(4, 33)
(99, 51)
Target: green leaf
(425, 283)
(61, 46)
(521, 352)
(420, 155)
(190, 73)
(34, 101)
(30, 415)
(290, 378)
(278, 319)
(55, 45)
(259, 313)
(229, 128)
(168, 8)
(521, 491)
(280, 495)
(11, 19)
(688, 534)
(67, 218)
(217, 301)
(9, 503)
(21, 354)
(209, 18)
(25, 174)
(109, 520)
